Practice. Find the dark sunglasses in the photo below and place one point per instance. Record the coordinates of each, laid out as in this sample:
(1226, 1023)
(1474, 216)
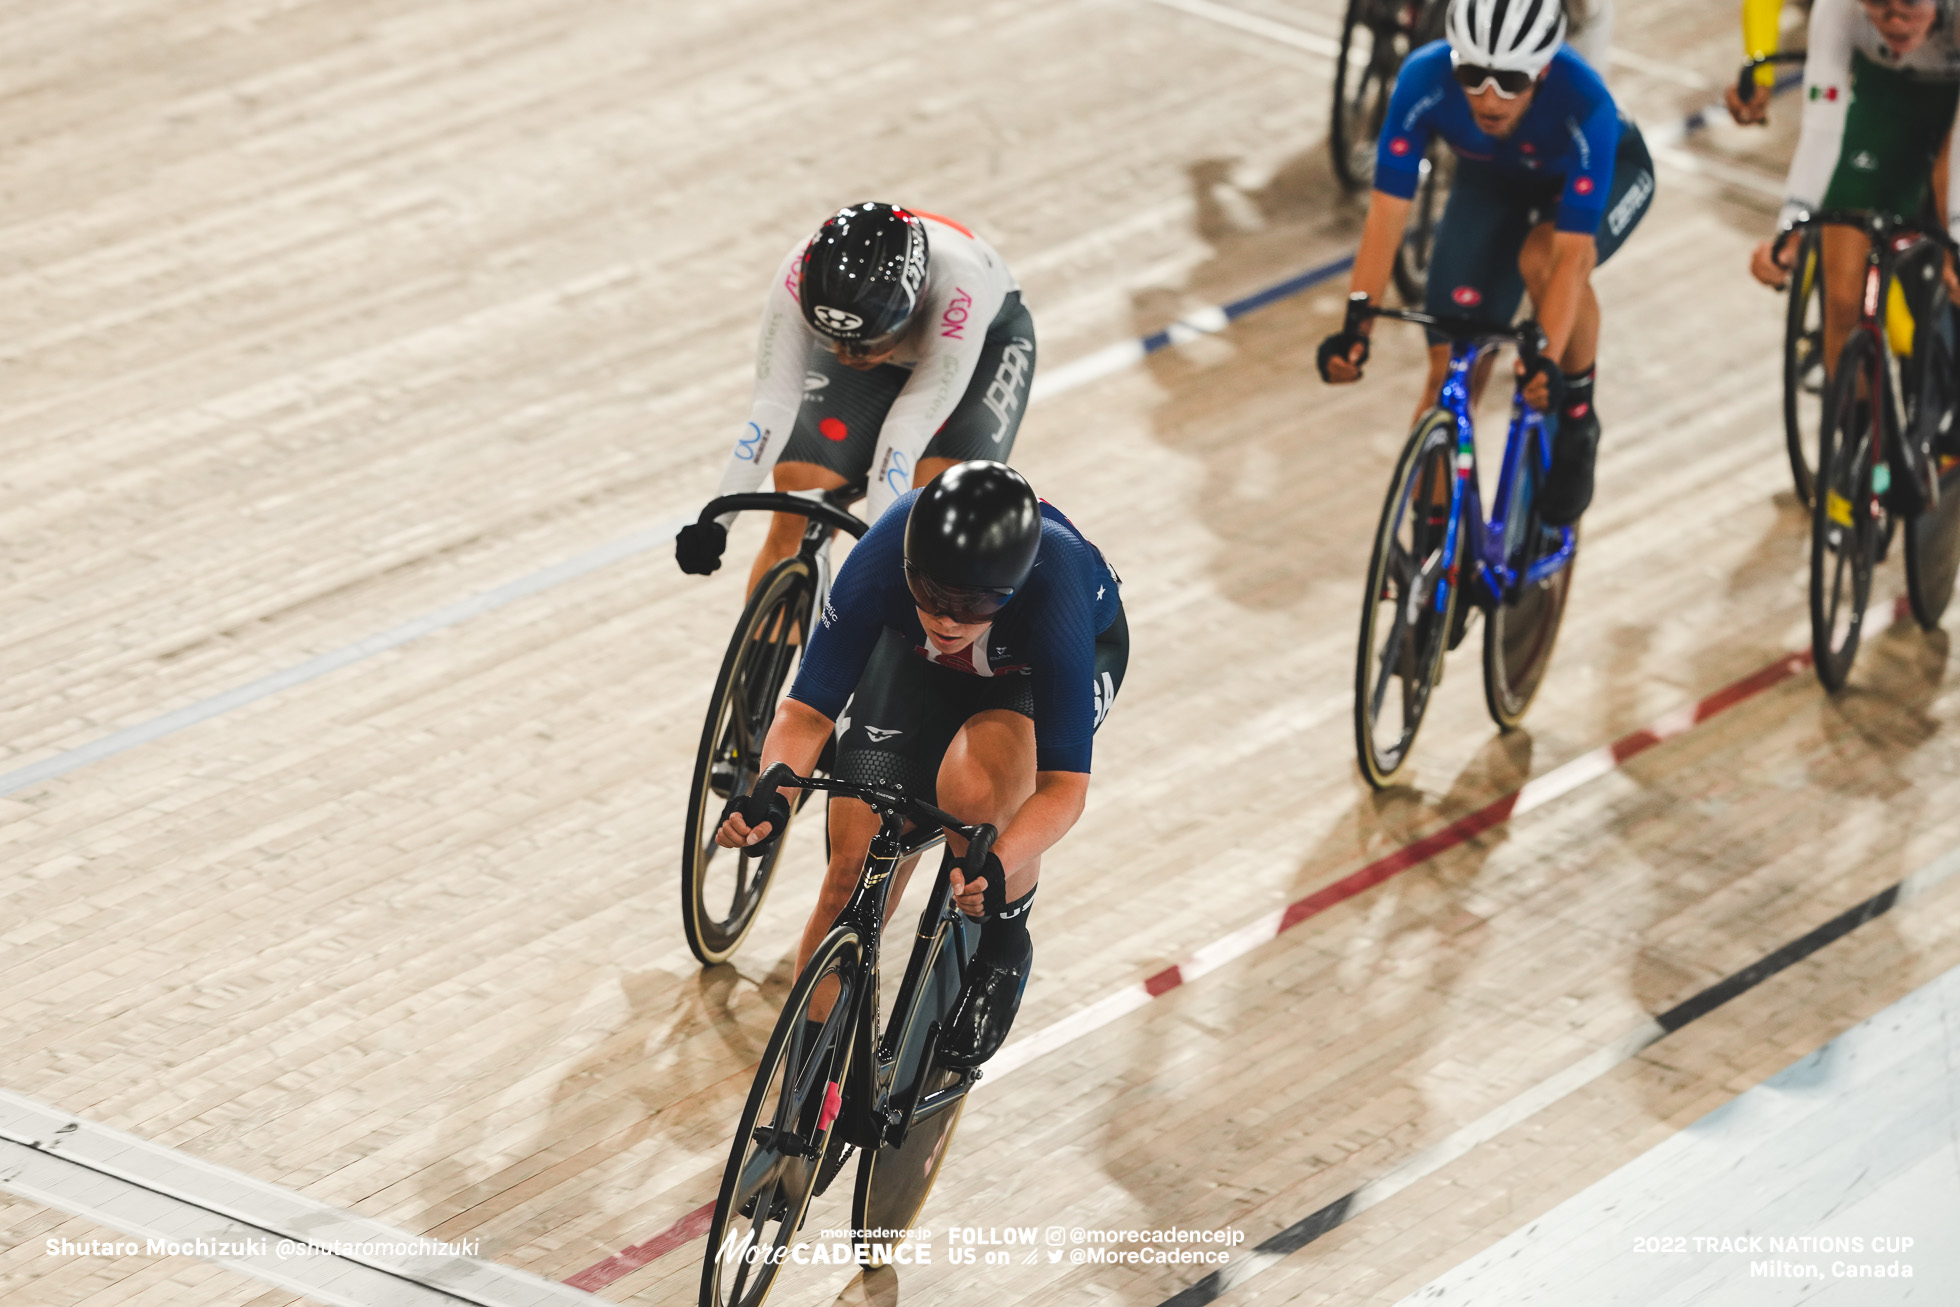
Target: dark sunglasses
(1509, 82)
(954, 603)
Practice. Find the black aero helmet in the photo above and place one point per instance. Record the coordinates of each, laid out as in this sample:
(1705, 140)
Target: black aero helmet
(863, 272)
(971, 540)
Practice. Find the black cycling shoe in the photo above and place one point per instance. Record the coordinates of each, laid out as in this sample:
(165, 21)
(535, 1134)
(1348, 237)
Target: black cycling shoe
(984, 1011)
(1568, 487)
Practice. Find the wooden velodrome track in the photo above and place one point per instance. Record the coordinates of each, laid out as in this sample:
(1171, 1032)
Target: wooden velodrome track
(322, 317)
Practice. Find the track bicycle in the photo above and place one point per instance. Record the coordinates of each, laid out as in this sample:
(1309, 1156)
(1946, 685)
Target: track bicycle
(829, 1081)
(1803, 326)
(1436, 556)
(1887, 447)
(1376, 36)
(722, 889)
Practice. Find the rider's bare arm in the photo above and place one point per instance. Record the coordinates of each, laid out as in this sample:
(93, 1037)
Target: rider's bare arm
(1054, 807)
(1374, 263)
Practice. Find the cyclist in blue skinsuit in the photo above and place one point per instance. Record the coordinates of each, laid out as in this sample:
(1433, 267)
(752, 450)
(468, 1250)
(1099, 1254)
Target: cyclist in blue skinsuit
(971, 646)
(1550, 180)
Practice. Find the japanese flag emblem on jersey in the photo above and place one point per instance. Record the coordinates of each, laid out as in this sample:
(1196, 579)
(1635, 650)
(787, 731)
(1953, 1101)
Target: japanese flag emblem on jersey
(838, 319)
(1583, 186)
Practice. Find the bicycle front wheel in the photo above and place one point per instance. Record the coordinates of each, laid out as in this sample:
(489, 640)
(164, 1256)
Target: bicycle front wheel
(1803, 366)
(722, 889)
(1404, 629)
(1847, 521)
(786, 1124)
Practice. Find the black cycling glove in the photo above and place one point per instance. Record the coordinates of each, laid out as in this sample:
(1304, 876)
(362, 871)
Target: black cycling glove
(1340, 345)
(775, 812)
(1554, 380)
(698, 548)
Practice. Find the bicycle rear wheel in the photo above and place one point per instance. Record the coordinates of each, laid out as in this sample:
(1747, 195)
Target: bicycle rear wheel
(1933, 535)
(1847, 521)
(1803, 365)
(1520, 632)
(894, 1182)
(1375, 38)
(786, 1123)
(1403, 632)
(722, 889)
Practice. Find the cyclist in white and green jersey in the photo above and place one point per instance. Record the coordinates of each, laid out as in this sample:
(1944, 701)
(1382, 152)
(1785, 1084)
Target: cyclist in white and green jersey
(1881, 80)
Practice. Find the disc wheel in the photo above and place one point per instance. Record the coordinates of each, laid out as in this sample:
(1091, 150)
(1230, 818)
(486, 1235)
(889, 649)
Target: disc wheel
(785, 1126)
(1522, 629)
(1404, 631)
(722, 889)
(1847, 521)
(894, 1183)
(1376, 35)
(1519, 633)
(1803, 366)
(1933, 535)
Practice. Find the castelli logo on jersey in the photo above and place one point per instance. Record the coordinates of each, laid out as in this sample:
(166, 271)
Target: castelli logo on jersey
(1467, 296)
(1398, 145)
(1583, 186)
(837, 319)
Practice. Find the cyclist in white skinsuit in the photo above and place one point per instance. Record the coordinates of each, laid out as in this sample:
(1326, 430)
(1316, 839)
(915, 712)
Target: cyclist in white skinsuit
(893, 374)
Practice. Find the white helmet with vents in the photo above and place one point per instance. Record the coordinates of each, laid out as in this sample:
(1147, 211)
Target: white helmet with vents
(1506, 35)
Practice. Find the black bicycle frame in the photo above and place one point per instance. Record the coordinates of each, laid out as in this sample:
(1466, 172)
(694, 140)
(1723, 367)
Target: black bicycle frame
(876, 1119)
(1888, 243)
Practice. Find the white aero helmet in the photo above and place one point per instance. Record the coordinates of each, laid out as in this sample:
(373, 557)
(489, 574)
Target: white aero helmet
(1507, 35)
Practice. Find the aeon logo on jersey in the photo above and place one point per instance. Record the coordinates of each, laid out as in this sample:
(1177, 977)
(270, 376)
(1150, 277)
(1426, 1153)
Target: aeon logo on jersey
(1468, 296)
(952, 322)
(1004, 391)
(751, 443)
(837, 319)
(1398, 145)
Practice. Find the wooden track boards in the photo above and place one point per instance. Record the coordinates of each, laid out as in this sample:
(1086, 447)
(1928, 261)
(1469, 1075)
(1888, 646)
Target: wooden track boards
(325, 316)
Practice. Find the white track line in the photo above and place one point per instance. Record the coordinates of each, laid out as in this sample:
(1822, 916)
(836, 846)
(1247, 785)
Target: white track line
(313, 668)
(1280, 33)
(274, 1234)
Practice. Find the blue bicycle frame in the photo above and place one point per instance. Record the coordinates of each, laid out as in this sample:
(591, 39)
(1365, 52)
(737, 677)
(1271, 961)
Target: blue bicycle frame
(1493, 543)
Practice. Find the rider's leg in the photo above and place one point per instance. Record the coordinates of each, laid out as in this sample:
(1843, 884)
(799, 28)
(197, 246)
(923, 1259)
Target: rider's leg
(1535, 264)
(852, 824)
(987, 775)
(786, 529)
(1843, 256)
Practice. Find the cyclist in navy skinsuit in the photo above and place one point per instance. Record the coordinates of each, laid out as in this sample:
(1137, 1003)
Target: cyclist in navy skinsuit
(970, 648)
(1550, 179)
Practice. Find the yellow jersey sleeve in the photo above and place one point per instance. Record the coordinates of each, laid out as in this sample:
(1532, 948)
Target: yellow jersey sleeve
(1761, 20)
